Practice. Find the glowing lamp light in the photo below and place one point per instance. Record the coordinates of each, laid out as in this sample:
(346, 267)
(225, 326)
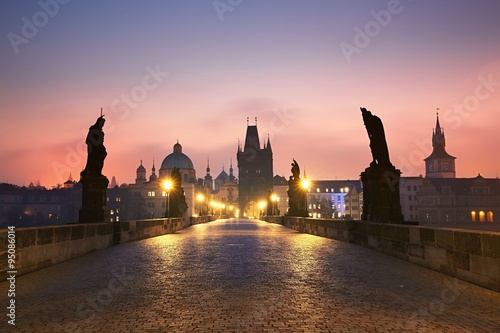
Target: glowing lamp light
(167, 184)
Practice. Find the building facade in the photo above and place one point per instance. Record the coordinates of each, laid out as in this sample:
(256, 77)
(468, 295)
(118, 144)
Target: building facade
(345, 198)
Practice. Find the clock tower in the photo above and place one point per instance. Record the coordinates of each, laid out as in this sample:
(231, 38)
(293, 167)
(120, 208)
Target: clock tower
(439, 164)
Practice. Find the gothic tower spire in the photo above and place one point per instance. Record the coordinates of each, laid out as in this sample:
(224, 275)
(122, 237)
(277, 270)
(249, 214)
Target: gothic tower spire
(439, 164)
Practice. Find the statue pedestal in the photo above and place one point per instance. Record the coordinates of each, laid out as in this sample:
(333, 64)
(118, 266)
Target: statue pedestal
(94, 199)
(297, 199)
(381, 194)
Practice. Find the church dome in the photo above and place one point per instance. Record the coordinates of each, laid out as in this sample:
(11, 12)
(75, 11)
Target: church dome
(177, 159)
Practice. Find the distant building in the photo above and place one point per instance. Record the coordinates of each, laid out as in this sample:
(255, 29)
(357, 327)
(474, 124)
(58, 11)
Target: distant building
(280, 189)
(37, 206)
(439, 164)
(226, 189)
(408, 195)
(344, 196)
(442, 199)
(148, 199)
(255, 170)
(118, 203)
(460, 200)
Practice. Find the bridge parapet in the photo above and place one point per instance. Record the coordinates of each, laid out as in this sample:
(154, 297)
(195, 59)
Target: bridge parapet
(40, 247)
(470, 255)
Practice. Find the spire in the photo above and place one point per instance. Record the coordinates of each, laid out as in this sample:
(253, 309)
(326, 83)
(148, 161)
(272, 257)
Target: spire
(439, 164)
(438, 140)
(208, 166)
(153, 172)
(231, 176)
(268, 146)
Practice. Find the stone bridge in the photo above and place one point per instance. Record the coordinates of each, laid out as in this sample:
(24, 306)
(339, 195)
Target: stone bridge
(240, 275)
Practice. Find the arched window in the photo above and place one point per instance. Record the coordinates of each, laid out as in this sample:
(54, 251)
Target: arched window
(473, 216)
(481, 216)
(490, 216)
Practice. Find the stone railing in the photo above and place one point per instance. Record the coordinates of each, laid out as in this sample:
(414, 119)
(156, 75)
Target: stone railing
(469, 255)
(39, 247)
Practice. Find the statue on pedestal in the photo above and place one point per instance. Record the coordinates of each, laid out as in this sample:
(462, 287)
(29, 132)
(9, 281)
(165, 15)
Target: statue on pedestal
(381, 201)
(297, 195)
(94, 183)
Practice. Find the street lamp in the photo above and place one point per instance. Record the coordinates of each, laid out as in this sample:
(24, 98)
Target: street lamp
(200, 198)
(274, 199)
(212, 204)
(262, 204)
(167, 184)
(347, 190)
(305, 185)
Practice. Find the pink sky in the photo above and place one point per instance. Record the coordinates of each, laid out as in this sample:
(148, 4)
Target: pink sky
(282, 64)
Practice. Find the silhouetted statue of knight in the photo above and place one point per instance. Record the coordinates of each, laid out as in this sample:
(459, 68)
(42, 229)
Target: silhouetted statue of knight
(378, 144)
(380, 180)
(96, 152)
(296, 194)
(295, 170)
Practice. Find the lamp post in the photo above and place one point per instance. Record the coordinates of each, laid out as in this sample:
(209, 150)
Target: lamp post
(274, 199)
(167, 184)
(212, 204)
(262, 204)
(305, 185)
(347, 190)
(200, 198)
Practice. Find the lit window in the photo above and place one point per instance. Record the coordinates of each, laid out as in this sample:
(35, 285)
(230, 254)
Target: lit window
(473, 216)
(481, 216)
(118, 199)
(117, 219)
(490, 216)
(317, 190)
(151, 193)
(326, 190)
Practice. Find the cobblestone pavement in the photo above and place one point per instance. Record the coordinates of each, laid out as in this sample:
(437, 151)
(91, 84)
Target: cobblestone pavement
(246, 276)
